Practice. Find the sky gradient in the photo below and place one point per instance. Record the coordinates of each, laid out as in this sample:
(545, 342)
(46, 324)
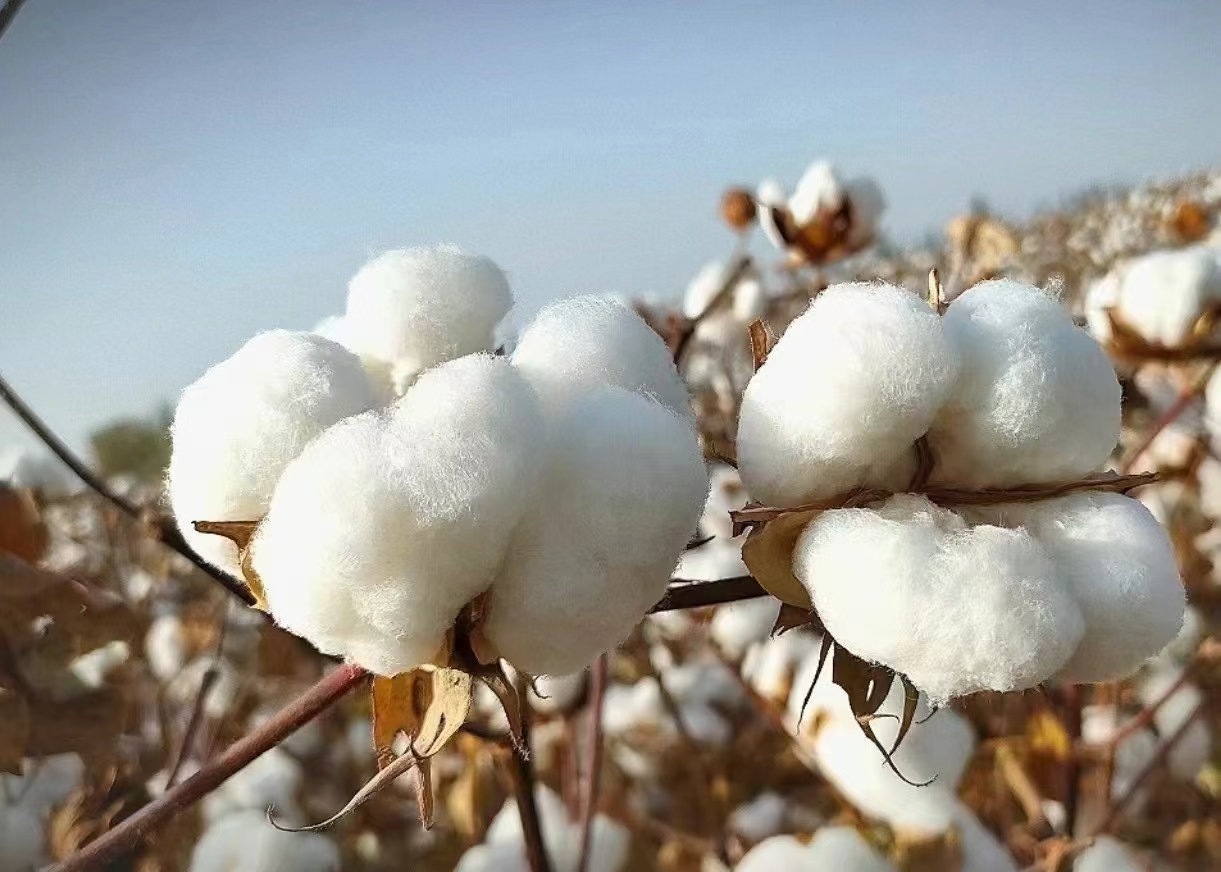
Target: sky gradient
(175, 177)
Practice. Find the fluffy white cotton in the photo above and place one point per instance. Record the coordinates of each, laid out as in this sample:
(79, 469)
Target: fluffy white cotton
(844, 395)
(705, 691)
(1194, 748)
(939, 748)
(245, 419)
(1099, 724)
(763, 816)
(165, 647)
(584, 342)
(92, 669)
(818, 188)
(868, 204)
(1119, 566)
(738, 626)
(245, 842)
(273, 779)
(44, 783)
(504, 849)
(1037, 399)
(388, 524)
(1107, 854)
(1163, 294)
(840, 848)
(22, 840)
(957, 609)
(703, 288)
(622, 492)
(770, 665)
(981, 850)
(416, 307)
(720, 558)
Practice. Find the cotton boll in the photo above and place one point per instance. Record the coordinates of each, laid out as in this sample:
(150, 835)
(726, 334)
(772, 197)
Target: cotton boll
(703, 289)
(844, 395)
(44, 783)
(621, 496)
(91, 669)
(711, 561)
(165, 647)
(245, 419)
(770, 666)
(1037, 400)
(1119, 566)
(818, 188)
(737, 626)
(273, 779)
(22, 840)
(1163, 294)
(416, 307)
(936, 749)
(391, 522)
(584, 342)
(245, 842)
(1106, 854)
(956, 609)
(763, 816)
(550, 694)
(749, 301)
(868, 204)
(839, 848)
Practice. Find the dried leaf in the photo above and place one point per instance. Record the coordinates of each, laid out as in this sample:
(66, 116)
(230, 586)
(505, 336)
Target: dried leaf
(428, 706)
(761, 343)
(240, 533)
(92, 617)
(792, 617)
(90, 725)
(372, 787)
(14, 730)
(1046, 735)
(911, 702)
(827, 642)
(22, 531)
(768, 553)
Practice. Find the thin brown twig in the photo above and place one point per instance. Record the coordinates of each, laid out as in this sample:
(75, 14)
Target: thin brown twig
(201, 697)
(121, 840)
(592, 774)
(684, 594)
(523, 778)
(166, 533)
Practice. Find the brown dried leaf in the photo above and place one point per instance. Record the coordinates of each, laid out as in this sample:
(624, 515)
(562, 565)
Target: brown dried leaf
(14, 730)
(761, 343)
(791, 617)
(91, 616)
(1047, 736)
(22, 531)
(90, 725)
(768, 553)
(428, 706)
(240, 533)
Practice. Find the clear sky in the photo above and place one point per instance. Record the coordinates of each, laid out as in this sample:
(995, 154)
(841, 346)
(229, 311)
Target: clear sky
(175, 176)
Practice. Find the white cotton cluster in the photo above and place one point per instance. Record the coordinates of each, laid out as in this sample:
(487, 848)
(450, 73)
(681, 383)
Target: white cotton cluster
(957, 609)
(1107, 854)
(736, 627)
(390, 522)
(705, 692)
(1161, 295)
(504, 847)
(1036, 400)
(844, 395)
(821, 190)
(840, 848)
(771, 665)
(238, 427)
(586, 342)
(245, 842)
(412, 308)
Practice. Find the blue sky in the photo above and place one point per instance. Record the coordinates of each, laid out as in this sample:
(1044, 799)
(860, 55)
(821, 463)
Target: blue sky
(175, 176)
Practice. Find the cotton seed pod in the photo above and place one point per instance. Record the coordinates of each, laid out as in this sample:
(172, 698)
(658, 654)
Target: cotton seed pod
(413, 308)
(622, 493)
(844, 395)
(1118, 565)
(245, 420)
(1163, 295)
(957, 609)
(1037, 399)
(840, 848)
(738, 208)
(391, 522)
(585, 342)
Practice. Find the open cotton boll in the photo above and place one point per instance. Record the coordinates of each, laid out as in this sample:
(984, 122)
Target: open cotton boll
(416, 307)
(957, 609)
(1163, 294)
(1133, 754)
(1037, 400)
(245, 419)
(391, 522)
(936, 749)
(44, 783)
(584, 342)
(621, 495)
(1119, 566)
(868, 204)
(844, 395)
(1107, 854)
(818, 188)
(770, 665)
(245, 842)
(737, 626)
(840, 848)
(165, 646)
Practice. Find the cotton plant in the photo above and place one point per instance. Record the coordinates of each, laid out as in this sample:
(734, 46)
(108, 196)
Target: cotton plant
(405, 498)
(929, 485)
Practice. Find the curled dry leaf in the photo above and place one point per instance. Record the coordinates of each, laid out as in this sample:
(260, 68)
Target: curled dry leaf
(239, 533)
(22, 531)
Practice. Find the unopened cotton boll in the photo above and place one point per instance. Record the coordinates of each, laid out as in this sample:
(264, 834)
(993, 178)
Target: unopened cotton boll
(621, 495)
(840, 848)
(1162, 295)
(245, 419)
(416, 307)
(957, 609)
(844, 395)
(245, 842)
(1119, 566)
(1037, 399)
(391, 522)
(585, 342)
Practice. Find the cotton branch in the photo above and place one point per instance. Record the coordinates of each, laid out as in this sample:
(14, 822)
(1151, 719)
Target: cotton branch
(593, 761)
(8, 12)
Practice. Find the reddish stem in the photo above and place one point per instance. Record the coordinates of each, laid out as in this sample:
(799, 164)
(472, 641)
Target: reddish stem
(593, 766)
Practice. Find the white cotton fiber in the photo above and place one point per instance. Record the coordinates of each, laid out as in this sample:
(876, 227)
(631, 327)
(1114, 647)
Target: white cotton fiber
(957, 609)
(1163, 294)
(982, 851)
(245, 419)
(391, 522)
(1099, 724)
(868, 204)
(165, 647)
(703, 288)
(621, 495)
(1107, 854)
(245, 841)
(1119, 566)
(584, 342)
(937, 748)
(23, 845)
(416, 307)
(840, 848)
(1037, 399)
(818, 188)
(844, 395)
(771, 665)
(737, 626)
